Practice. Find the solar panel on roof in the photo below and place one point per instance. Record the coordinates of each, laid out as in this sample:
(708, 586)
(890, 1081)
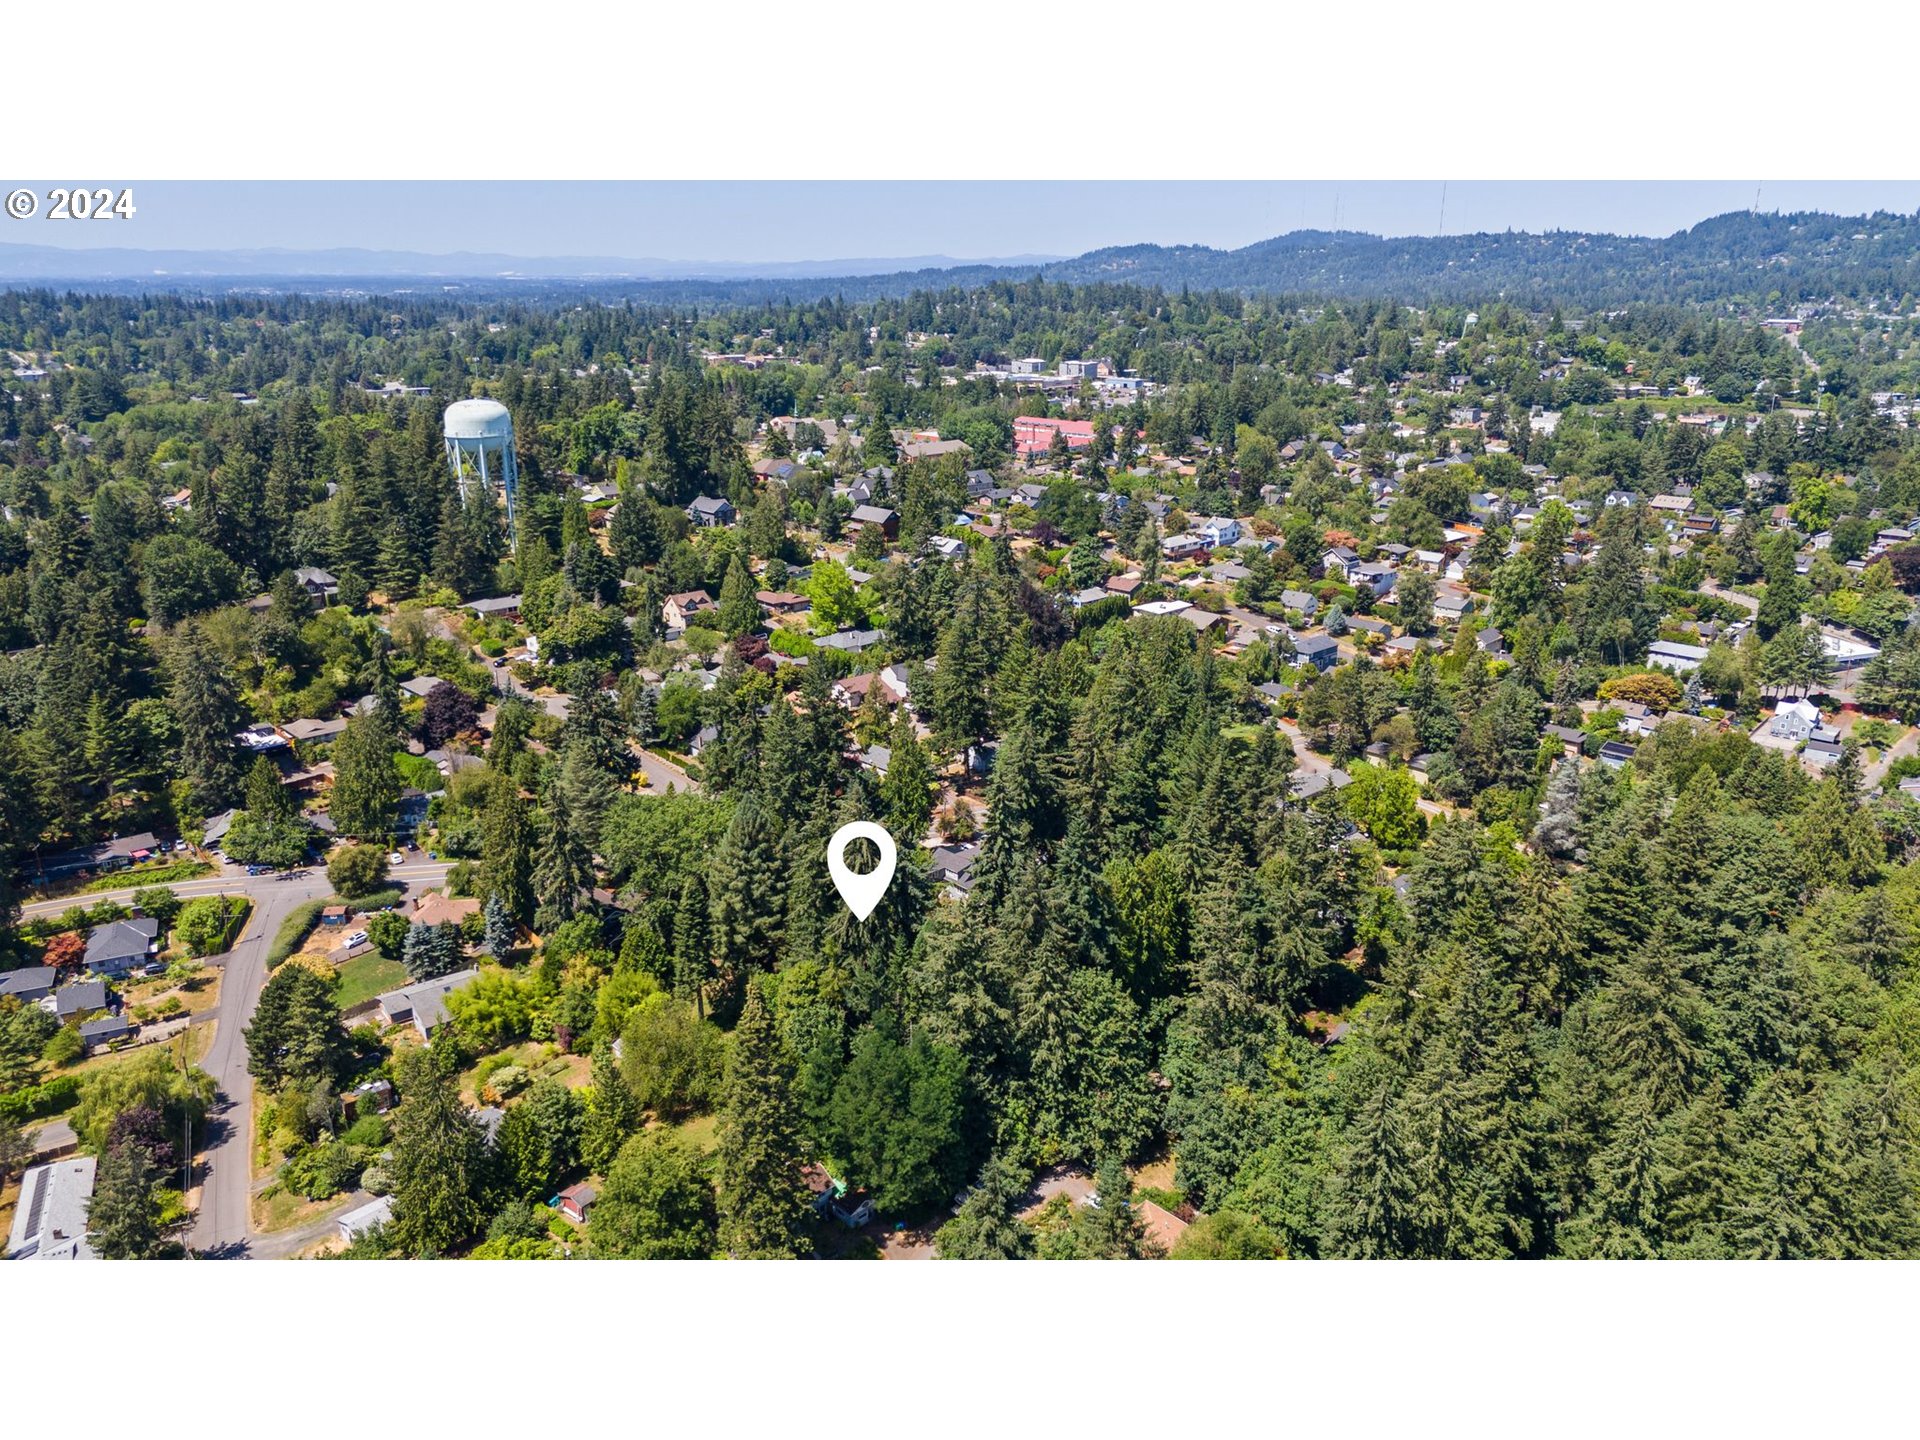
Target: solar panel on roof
(39, 1203)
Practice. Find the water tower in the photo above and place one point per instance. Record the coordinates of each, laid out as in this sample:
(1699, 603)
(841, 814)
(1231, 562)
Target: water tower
(480, 451)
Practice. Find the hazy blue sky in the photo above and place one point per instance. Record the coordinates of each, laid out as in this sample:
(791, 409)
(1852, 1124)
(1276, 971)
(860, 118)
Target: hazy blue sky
(790, 220)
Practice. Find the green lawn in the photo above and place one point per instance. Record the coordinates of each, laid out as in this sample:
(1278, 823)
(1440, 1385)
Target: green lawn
(368, 975)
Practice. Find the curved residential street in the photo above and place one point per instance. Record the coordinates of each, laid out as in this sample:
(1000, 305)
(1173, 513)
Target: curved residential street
(222, 1227)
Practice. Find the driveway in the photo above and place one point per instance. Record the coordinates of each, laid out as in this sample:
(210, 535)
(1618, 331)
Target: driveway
(1906, 745)
(1748, 603)
(663, 774)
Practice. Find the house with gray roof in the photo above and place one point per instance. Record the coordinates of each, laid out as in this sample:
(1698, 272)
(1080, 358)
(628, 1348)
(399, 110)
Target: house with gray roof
(102, 1031)
(82, 997)
(29, 983)
(362, 1218)
(50, 1221)
(423, 1005)
(123, 946)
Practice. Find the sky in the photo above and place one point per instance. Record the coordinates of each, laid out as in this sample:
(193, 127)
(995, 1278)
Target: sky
(743, 221)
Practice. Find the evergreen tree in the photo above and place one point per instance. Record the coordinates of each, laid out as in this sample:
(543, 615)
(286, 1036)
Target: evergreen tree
(439, 1162)
(366, 785)
(763, 1203)
(563, 863)
(499, 933)
(295, 1036)
(987, 1224)
(123, 1217)
(506, 869)
(205, 706)
(739, 611)
(612, 1116)
(432, 950)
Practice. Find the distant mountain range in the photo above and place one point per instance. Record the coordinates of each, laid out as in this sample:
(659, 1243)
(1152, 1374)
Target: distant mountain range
(1761, 258)
(30, 263)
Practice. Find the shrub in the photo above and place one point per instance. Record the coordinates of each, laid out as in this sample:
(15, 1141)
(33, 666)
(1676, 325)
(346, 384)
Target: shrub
(206, 926)
(1651, 689)
(64, 1047)
(36, 1102)
(357, 869)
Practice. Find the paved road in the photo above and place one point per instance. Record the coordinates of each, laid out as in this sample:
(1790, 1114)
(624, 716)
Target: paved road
(222, 1223)
(664, 773)
(1906, 745)
(1748, 603)
(231, 880)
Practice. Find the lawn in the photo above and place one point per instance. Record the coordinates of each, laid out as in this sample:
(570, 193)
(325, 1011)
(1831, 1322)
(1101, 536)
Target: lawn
(276, 1209)
(702, 1133)
(368, 975)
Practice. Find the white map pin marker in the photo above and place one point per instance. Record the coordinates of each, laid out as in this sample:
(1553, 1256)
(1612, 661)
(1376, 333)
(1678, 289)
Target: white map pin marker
(861, 892)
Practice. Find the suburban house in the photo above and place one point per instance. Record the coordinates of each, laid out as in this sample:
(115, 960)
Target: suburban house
(933, 449)
(1336, 559)
(1163, 1227)
(851, 690)
(358, 1221)
(893, 680)
(887, 521)
(504, 607)
(82, 997)
(1320, 651)
(316, 731)
(1792, 723)
(681, 608)
(103, 1031)
(370, 1097)
(853, 1208)
(1299, 600)
(1307, 784)
(124, 946)
(1373, 575)
(782, 602)
(851, 641)
(1672, 655)
(953, 867)
(706, 511)
(424, 1006)
(28, 984)
(322, 589)
(1218, 531)
(436, 907)
(421, 686)
(50, 1220)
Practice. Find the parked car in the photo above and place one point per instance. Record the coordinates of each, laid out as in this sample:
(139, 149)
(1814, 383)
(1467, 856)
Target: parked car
(396, 858)
(358, 937)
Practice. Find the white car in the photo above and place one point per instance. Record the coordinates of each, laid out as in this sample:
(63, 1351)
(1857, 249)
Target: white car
(358, 937)
(396, 858)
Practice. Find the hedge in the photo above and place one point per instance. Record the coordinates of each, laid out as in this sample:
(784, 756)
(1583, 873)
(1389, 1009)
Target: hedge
(36, 1102)
(293, 930)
